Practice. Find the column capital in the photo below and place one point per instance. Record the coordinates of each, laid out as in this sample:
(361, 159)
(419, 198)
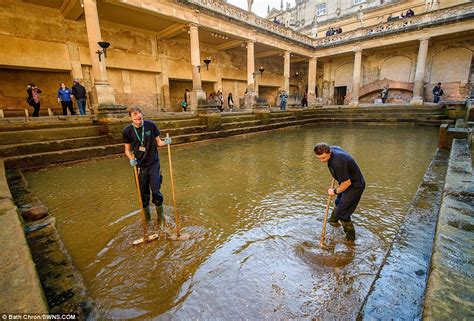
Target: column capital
(193, 25)
(424, 39)
(250, 41)
(357, 49)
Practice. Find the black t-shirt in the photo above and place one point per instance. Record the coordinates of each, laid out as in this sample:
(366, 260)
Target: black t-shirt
(343, 167)
(129, 136)
(79, 91)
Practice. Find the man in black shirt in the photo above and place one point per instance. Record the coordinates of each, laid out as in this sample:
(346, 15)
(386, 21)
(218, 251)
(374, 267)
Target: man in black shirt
(141, 139)
(79, 92)
(347, 173)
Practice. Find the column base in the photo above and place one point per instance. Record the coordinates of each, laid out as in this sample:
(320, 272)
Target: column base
(314, 102)
(354, 103)
(197, 98)
(416, 101)
(250, 100)
(102, 94)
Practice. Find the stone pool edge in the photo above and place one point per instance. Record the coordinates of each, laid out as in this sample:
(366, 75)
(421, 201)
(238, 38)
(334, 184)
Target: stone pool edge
(20, 286)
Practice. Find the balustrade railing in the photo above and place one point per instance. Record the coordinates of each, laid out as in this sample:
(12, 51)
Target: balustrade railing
(250, 18)
(390, 26)
(395, 25)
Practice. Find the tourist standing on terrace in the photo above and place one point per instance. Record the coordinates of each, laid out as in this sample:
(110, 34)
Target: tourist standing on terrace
(34, 98)
(79, 93)
(347, 173)
(141, 139)
(64, 97)
(384, 94)
(230, 101)
(437, 93)
(283, 98)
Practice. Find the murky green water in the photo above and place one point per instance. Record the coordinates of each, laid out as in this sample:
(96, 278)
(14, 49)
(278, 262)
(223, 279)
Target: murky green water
(254, 206)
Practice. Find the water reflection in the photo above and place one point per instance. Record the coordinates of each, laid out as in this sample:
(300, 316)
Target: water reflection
(254, 206)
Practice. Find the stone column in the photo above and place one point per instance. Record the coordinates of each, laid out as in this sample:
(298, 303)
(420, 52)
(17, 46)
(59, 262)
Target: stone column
(417, 99)
(326, 94)
(102, 92)
(312, 81)
(198, 96)
(250, 65)
(356, 78)
(286, 72)
(251, 95)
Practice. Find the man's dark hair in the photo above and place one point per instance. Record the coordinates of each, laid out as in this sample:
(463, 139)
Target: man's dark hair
(439, 84)
(134, 109)
(322, 148)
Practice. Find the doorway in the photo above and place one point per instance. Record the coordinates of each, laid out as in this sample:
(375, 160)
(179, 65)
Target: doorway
(339, 95)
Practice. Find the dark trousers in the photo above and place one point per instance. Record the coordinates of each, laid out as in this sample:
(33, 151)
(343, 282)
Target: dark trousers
(37, 107)
(67, 105)
(347, 202)
(436, 99)
(150, 178)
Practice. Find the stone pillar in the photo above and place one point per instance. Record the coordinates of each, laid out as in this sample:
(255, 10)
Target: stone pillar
(356, 78)
(76, 67)
(417, 99)
(102, 91)
(312, 81)
(286, 72)
(251, 95)
(198, 96)
(326, 95)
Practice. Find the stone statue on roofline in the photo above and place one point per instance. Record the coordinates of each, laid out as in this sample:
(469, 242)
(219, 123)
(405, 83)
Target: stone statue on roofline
(249, 5)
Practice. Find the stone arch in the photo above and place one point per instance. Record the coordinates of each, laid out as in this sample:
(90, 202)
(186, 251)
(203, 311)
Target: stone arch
(444, 70)
(397, 68)
(343, 75)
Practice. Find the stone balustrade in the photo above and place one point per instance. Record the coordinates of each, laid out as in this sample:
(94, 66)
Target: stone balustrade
(396, 25)
(250, 18)
(434, 17)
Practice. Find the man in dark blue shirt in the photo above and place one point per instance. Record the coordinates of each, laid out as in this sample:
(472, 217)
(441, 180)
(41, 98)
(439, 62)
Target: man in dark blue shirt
(347, 173)
(141, 139)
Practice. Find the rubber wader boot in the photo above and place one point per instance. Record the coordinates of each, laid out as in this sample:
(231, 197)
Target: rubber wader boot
(160, 216)
(349, 230)
(147, 213)
(333, 220)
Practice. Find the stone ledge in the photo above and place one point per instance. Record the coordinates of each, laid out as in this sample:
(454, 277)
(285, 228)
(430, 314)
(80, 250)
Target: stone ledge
(450, 282)
(20, 288)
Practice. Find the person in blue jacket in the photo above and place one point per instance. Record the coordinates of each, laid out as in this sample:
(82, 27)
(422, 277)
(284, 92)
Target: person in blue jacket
(347, 173)
(64, 98)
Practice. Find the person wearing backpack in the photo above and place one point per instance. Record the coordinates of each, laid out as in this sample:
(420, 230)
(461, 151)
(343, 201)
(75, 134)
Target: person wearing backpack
(34, 98)
(437, 93)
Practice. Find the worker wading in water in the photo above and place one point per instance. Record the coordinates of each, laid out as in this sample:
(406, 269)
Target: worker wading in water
(141, 139)
(347, 173)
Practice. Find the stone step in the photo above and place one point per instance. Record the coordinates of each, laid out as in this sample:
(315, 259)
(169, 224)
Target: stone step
(182, 130)
(177, 123)
(43, 159)
(55, 145)
(282, 119)
(241, 124)
(49, 134)
(16, 123)
(39, 160)
(237, 118)
(379, 115)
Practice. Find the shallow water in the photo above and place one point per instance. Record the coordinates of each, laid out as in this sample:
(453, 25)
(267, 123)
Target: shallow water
(254, 207)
